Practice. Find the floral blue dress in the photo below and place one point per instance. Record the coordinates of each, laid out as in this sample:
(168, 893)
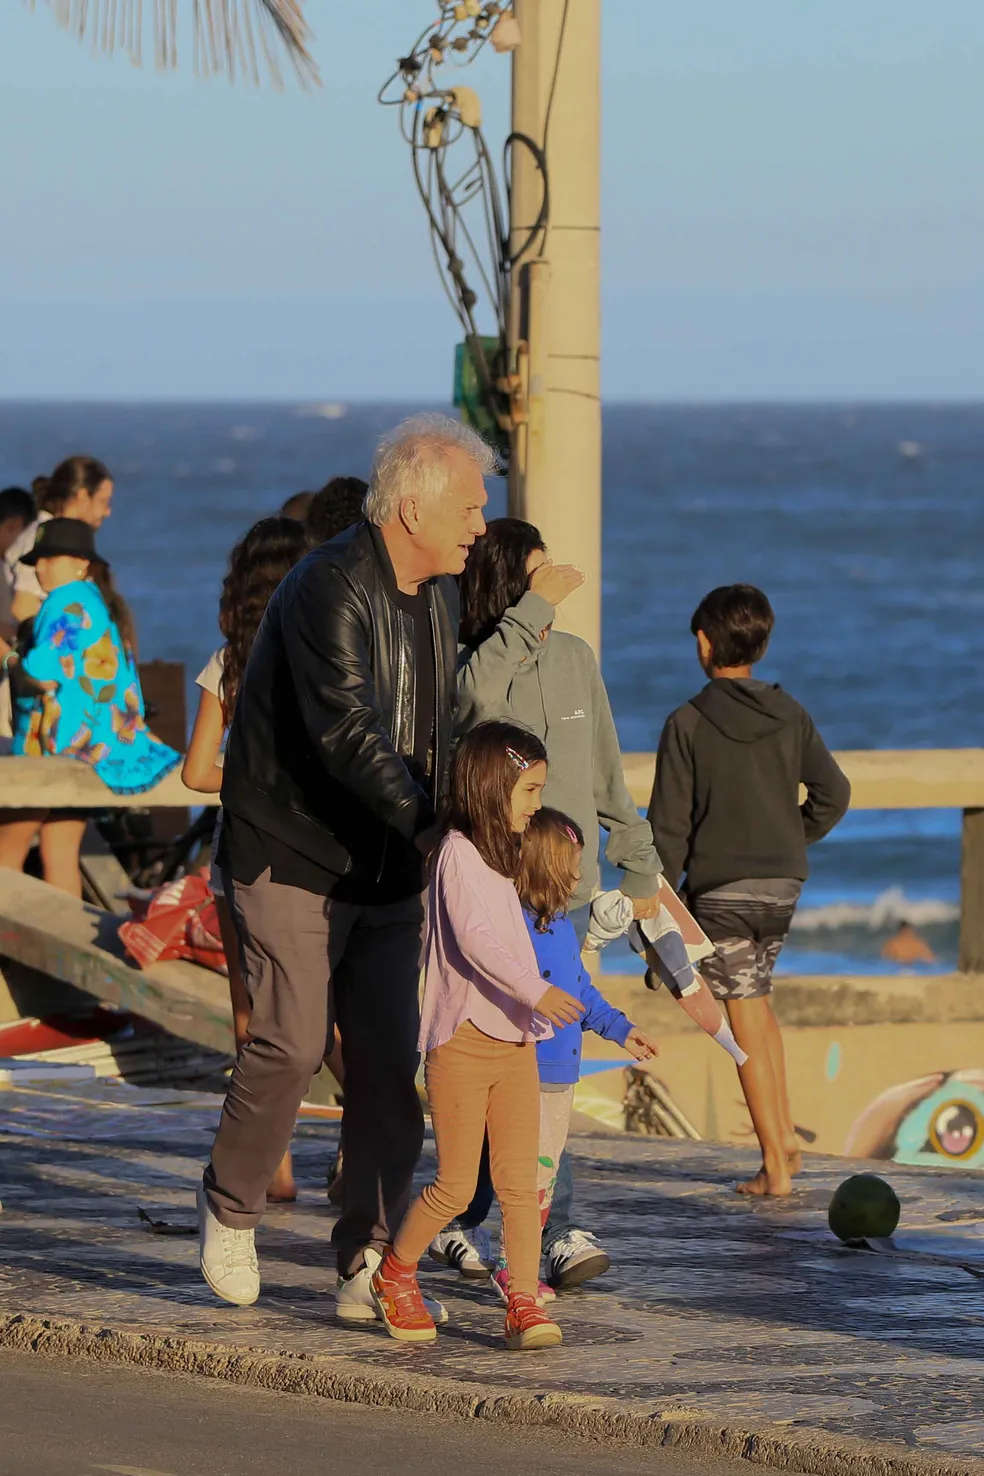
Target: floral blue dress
(95, 712)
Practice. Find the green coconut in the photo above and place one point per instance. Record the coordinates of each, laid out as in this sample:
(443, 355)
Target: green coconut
(864, 1207)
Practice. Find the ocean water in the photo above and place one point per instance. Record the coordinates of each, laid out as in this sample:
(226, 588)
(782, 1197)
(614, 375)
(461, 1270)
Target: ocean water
(864, 524)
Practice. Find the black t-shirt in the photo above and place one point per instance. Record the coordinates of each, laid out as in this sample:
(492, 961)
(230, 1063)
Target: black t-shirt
(247, 851)
(421, 761)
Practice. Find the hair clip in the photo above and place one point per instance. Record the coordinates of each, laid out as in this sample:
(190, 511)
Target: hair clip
(571, 836)
(517, 758)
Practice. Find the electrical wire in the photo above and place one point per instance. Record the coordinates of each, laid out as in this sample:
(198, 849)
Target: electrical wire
(463, 205)
(553, 81)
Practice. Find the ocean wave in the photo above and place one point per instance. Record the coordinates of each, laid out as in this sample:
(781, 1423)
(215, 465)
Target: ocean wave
(884, 913)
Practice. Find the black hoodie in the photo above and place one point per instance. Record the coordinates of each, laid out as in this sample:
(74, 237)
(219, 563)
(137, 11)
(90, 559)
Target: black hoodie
(725, 804)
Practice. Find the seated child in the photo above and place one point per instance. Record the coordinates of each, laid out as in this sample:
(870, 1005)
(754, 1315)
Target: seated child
(549, 870)
(725, 810)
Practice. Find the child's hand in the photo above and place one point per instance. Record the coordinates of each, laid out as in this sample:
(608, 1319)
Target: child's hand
(639, 1045)
(559, 1007)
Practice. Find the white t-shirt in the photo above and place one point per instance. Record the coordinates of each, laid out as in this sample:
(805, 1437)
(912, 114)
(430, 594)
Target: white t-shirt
(210, 676)
(24, 579)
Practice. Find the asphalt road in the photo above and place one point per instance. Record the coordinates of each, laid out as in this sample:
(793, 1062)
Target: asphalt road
(68, 1417)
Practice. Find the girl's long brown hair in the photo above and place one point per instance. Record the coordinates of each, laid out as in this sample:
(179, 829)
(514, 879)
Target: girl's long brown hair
(486, 765)
(257, 564)
(548, 865)
(102, 577)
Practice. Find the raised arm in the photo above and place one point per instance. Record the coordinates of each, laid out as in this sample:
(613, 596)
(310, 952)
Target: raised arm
(327, 648)
(485, 673)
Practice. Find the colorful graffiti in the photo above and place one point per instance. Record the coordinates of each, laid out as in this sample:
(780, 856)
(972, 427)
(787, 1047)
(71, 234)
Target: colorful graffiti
(935, 1121)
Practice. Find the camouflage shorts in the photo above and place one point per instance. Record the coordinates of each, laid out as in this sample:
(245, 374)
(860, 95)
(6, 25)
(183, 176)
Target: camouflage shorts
(740, 968)
(747, 938)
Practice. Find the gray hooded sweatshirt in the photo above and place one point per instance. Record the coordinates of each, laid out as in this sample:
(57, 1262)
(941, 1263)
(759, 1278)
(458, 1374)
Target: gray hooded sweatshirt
(554, 688)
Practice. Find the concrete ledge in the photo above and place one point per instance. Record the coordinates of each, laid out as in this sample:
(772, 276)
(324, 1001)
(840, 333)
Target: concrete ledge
(881, 778)
(67, 940)
(812, 1452)
(907, 779)
(65, 783)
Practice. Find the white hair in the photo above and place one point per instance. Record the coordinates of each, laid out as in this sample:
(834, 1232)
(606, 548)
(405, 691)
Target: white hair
(414, 461)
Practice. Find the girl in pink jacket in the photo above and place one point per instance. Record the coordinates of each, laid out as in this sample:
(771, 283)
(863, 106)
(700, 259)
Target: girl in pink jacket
(485, 1006)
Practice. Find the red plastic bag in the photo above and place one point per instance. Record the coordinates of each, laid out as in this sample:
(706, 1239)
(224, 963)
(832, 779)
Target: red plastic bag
(178, 921)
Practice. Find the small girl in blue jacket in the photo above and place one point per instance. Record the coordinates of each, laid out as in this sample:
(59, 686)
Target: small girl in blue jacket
(550, 865)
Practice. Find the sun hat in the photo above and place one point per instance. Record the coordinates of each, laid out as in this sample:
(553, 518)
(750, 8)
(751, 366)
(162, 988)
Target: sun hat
(59, 537)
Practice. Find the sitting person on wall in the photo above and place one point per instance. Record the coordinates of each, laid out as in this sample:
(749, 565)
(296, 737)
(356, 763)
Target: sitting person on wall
(77, 694)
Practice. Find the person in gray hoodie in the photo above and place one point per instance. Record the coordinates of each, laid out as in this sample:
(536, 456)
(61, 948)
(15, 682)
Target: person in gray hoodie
(513, 665)
(726, 814)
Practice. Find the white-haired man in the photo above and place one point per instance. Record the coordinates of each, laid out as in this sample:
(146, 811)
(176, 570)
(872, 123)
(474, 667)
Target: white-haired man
(334, 765)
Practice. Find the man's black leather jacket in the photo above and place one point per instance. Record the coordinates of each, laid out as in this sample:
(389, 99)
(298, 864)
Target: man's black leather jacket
(326, 708)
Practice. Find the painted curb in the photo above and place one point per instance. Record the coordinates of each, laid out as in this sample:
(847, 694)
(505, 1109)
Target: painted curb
(811, 1452)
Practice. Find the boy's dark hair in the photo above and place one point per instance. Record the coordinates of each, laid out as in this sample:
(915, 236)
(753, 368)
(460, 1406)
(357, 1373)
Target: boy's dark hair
(737, 619)
(15, 502)
(336, 507)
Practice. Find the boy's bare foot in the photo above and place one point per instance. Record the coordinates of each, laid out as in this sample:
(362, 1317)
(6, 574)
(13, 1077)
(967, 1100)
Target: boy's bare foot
(774, 1184)
(282, 1189)
(794, 1156)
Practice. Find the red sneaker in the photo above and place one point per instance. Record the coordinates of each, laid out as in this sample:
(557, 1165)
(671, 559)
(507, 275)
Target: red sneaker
(400, 1304)
(528, 1327)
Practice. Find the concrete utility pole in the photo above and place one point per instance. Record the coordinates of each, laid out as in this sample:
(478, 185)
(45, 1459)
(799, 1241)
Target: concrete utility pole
(556, 477)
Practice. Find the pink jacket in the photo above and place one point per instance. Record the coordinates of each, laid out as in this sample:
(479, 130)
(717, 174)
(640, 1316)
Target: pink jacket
(480, 965)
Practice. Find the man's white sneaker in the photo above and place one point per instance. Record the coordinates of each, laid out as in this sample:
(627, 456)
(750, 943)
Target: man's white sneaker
(353, 1295)
(575, 1258)
(227, 1258)
(469, 1252)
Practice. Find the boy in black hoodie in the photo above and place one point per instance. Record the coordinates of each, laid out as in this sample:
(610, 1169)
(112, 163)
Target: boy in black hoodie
(725, 811)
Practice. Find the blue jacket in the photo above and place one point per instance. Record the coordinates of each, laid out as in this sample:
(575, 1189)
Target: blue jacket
(559, 960)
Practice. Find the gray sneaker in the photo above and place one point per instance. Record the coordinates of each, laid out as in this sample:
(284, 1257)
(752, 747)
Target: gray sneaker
(469, 1252)
(575, 1258)
(227, 1258)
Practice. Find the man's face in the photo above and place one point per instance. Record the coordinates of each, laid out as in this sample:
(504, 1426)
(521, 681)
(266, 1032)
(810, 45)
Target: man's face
(447, 527)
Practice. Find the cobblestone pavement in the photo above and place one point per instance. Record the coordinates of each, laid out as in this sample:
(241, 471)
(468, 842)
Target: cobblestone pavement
(739, 1310)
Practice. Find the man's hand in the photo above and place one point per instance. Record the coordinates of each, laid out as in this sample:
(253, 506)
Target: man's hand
(554, 582)
(559, 1007)
(427, 840)
(644, 908)
(642, 1046)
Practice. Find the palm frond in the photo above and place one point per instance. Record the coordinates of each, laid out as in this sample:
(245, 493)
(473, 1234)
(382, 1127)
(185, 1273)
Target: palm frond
(245, 39)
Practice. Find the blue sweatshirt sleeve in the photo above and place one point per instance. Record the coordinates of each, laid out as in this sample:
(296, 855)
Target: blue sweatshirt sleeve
(601, 1017)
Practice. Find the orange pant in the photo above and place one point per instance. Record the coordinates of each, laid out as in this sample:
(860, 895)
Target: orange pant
(474, 1081)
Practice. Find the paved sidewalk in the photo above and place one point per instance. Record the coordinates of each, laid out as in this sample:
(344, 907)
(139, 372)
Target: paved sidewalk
(724, 1324)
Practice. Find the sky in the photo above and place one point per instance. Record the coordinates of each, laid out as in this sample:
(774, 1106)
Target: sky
(791, 210)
